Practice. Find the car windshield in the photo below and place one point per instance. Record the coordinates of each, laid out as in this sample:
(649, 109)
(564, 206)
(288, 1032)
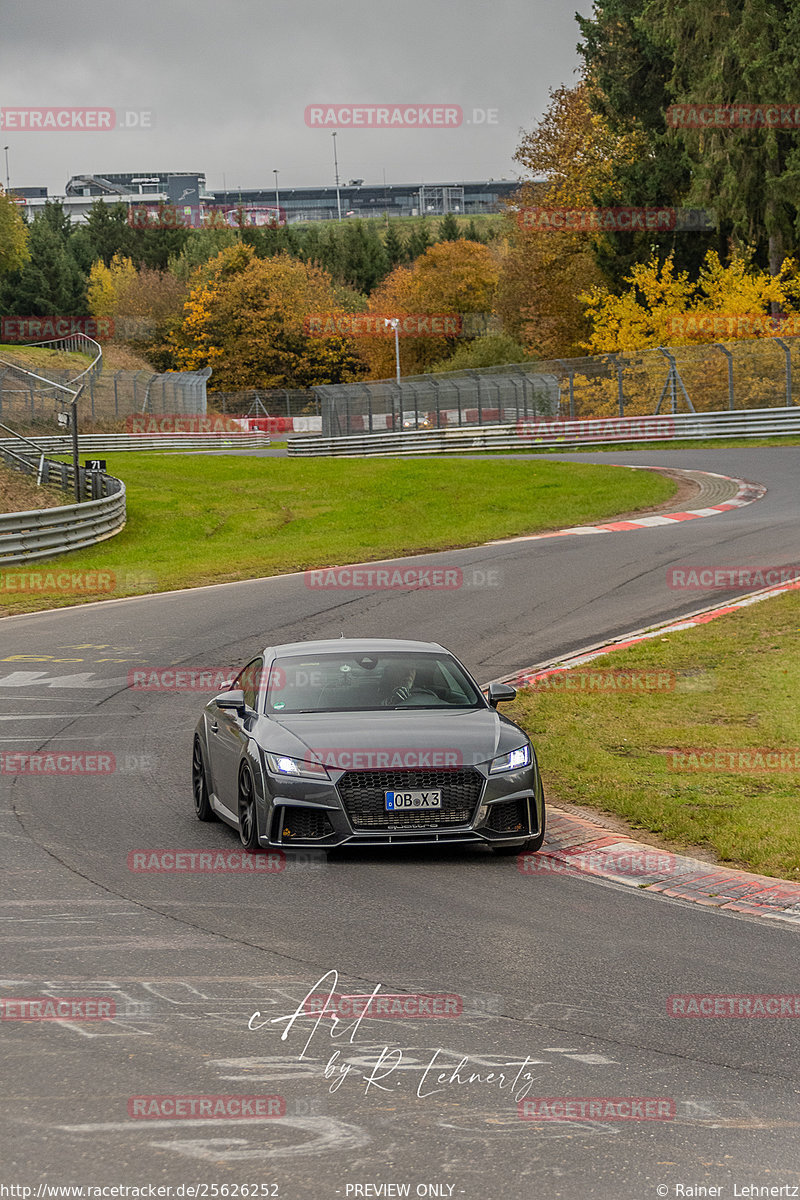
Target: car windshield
(368, 682)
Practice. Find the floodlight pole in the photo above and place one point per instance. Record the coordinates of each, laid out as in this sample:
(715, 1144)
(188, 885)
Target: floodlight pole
(394, 323)
(336, 168)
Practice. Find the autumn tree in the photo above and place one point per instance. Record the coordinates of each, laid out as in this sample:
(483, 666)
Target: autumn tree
(568, 156)
(14, 251)
(246, 318)
(662, 305)
(457, 278)
(107, 282)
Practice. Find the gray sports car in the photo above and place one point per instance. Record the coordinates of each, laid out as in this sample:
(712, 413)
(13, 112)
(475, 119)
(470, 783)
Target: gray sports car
(366, 742)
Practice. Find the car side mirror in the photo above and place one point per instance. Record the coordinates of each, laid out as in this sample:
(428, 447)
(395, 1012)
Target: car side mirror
(500, 693)
(232, 701)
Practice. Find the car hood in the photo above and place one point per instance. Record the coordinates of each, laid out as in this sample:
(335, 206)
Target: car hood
(394, 739)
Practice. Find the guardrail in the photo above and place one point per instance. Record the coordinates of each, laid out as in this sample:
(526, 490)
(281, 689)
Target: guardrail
(43, 533)
(108, 443)
(562, 435)
(46, 532)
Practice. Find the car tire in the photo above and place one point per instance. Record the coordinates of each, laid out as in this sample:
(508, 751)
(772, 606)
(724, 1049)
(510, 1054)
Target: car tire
(202, 804)
(248, 813)
(529, 847)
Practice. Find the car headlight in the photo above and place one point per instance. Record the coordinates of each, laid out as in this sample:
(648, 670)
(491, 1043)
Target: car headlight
(297, 768)
(511, 761)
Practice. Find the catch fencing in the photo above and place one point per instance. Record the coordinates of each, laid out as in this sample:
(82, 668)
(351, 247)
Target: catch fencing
(107, 395)
(748, 373)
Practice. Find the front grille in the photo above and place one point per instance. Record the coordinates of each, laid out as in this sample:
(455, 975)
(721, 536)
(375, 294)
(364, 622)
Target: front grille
(363, 796)
(509, 817)
(306, 823)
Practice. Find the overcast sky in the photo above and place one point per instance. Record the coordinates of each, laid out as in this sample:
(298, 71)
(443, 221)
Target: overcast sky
(228, 83)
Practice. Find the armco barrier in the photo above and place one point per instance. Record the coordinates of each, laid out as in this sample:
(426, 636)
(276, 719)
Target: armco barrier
(563, 435)
(107, 443)
(49, 531)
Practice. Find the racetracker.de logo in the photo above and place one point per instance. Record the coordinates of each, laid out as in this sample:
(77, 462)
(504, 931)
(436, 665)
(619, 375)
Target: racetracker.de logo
(210, 1108)
(386, 116)
(180, 423)
(398, 758)
(57, 1008)
(66, 582)
(73, 120)
(733, 116)
(631, 864)
(179, 679)
(441, 579)
(703, 579)
(596, 682)
(603, 428)
(733, 325)
(755, 1004)
(744, 760)
(382, 325)
(596, 1108)
(596, 220)
(193, 862)
(42, 329)
(23, 763)
(411, 1006)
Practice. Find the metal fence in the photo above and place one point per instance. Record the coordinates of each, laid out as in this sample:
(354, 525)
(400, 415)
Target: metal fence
(486, 396)
(745, 374)
(267, 402)
(107, 395)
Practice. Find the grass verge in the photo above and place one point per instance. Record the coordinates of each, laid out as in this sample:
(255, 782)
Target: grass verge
(19, 493)
(729, 686)
(194, 520)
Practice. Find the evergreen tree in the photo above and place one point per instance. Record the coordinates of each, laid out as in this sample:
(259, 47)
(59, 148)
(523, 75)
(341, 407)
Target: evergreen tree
(448, 229)
(750, 175)
(394, 246)
(420, 239)
(363, 262)
(51, 283)
(108, 232)
(629, 66)
(473, 234)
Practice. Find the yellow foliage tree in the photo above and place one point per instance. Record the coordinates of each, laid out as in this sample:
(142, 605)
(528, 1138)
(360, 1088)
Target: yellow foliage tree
(106, 284)
(246, 317)
(662, 307)
(14, 253)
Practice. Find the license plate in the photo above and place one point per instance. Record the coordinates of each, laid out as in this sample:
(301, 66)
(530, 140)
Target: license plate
(402, 801)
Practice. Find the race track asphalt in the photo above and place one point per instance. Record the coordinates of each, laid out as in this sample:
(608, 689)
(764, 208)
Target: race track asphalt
(567, 978)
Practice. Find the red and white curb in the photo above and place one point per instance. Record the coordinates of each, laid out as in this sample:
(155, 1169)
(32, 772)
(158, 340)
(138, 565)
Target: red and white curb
(747, 494)
(576, 846)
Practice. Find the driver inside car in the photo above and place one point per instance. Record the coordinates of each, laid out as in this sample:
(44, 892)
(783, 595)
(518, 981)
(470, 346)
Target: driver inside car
(397, 684)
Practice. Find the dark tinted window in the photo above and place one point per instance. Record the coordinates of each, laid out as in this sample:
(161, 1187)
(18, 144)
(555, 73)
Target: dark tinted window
(365, 682)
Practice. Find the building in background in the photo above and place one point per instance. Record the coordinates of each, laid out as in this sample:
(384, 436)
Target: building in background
(187, 190)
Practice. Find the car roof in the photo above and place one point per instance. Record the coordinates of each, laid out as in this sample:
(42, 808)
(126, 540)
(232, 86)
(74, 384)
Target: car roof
(356, 646)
